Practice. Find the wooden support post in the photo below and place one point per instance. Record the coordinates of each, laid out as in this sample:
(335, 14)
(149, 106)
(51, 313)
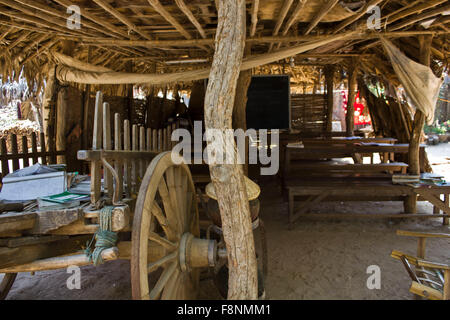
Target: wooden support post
(352, 89)
(228, 179)
(419, 118)
(240, 105)
(61, 108)
(96, 175)
(329, 77)
(48, 106)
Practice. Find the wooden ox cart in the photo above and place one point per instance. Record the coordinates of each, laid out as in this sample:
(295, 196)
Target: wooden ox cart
(149, 203)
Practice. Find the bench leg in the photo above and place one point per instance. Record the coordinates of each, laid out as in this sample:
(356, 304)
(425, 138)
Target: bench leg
(447, 203)
(290, 209)
(410, 204)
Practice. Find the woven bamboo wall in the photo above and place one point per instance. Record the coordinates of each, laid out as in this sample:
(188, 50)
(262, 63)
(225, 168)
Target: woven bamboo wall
(309, 112)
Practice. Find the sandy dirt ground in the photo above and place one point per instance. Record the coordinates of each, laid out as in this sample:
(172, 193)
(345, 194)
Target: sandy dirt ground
(319, 259)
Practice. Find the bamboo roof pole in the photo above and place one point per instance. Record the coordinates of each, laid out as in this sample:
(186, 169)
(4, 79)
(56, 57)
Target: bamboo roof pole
(38, 22)
(292, 19)
(320, 15)
(269, 39)
(105, 6)
(420, 17)
(357, 16)
(94, 18)
(41, 50)
(403, 8)
(63, 15)
(12, 45)
(5, 34)
(284, 10)
(254, 15)
(183, 7)
(158, 7)
(31, 28)
(413, 10)
(45, 19)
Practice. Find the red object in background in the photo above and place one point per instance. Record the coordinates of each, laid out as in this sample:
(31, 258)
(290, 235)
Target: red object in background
(360, 119)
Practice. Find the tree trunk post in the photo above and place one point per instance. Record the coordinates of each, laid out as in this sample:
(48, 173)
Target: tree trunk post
(329, 77)
(352, 89)
(228, 179)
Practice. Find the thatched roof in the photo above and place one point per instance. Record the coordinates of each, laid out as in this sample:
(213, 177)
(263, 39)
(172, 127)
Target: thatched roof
(147, 36)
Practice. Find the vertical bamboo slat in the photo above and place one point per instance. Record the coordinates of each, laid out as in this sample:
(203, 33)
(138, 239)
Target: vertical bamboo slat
(107, 145)
(34, 148)
(126, 146)
(154, 140)
(96, 145)
(117, 147)
(141, 148)
(134, 165)
(15, 162)
(4, 152)
(42, 141)
(25, 159)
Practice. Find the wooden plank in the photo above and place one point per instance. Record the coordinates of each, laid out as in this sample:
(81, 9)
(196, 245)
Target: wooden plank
(4, 153)
(142, 147)
(42, 141)
(17, 221)
(10, 257)
(34, 149)
(14, 150)
(55, 219)
(29, 240)
(25, 159)
(154, 140)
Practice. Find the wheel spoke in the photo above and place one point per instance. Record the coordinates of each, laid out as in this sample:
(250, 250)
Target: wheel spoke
(169, 292)
(168, 206)
(163, 222)
(155, 265)
(169, 245)
(162, 281)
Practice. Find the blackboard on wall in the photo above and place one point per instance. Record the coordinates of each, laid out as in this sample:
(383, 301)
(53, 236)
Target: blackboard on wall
(268, 102)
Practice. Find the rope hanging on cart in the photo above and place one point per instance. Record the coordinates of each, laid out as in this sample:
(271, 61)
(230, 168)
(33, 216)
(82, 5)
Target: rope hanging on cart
(105, 238)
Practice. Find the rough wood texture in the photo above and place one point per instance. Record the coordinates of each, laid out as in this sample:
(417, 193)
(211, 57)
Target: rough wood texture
(419, 117)
(229, 179)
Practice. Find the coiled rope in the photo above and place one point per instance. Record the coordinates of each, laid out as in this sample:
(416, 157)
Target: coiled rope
(104, 237)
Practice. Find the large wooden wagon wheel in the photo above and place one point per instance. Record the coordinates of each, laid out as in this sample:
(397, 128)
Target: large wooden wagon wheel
(6, 284)
(166, 251)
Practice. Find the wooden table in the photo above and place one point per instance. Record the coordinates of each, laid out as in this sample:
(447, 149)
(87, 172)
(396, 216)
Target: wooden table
(340, 151)
(357, 189)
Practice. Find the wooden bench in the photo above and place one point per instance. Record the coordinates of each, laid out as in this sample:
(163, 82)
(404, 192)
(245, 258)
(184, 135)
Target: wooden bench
(316, 190)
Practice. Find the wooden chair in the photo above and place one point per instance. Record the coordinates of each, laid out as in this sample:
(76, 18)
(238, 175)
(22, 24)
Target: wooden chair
(430, 280)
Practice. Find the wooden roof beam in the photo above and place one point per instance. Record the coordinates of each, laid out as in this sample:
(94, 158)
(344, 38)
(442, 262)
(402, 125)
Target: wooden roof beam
(357, 16)
(97, 20)
(320, 15)
(257, 40)
(121, 18)
(284, 10)
(420, 17)
(63, 15)
(166, 15)
(40, 23)
(254, 14)
(3, 36)
(424, 6)
(13, 44)
(183, 7)
(293, 17)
